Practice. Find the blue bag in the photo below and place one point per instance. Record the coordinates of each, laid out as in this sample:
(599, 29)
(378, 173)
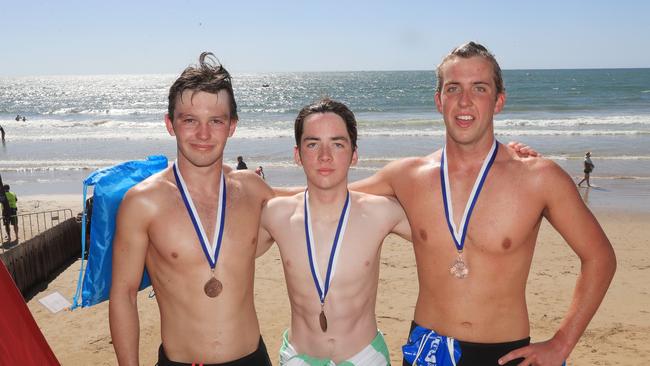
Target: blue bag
(110, 186)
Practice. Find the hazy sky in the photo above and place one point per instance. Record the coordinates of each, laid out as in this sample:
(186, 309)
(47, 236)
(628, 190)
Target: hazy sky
(108, 37)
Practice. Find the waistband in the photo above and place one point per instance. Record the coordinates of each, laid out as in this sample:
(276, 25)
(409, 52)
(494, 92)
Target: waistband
(258, 357)
(481, 346)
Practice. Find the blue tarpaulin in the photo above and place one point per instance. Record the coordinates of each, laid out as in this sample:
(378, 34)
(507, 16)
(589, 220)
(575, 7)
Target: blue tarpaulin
(110, 185)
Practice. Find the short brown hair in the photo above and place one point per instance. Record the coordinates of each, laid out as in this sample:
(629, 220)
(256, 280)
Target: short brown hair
(327, 105)
(468, 50)
(208, 76)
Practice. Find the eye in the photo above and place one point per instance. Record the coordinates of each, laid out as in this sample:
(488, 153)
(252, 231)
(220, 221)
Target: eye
(452, 88)
(217, 121)
(480, 89)
(311, 145)
(339, 145)
(189, 120)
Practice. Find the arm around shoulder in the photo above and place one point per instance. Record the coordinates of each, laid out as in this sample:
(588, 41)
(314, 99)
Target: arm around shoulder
(382, 182)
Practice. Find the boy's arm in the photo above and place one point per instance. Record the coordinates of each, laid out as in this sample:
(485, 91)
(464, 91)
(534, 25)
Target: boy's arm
(264, 238)
(568, 214)
(129, 251)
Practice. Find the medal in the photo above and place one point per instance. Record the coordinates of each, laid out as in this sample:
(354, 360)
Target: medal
(459, 268)
(322, 319)
(213, 286)
(323, 287)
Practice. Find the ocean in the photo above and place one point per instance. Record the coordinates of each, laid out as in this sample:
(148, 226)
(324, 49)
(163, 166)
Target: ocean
(76, 124)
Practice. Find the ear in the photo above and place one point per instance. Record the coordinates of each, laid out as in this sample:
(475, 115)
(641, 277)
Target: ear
(355, 157)
(436, 98)
(169, 124)
(233, 126)
(501, 102)
(296, 155)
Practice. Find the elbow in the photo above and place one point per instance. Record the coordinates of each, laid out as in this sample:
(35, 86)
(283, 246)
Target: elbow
(612, 264)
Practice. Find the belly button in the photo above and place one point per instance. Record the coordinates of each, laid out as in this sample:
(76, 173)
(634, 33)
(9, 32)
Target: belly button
(466, 324)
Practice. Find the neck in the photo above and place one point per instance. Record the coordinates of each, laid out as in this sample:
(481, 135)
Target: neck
(327, 203)
(197, 177)
(468, 154)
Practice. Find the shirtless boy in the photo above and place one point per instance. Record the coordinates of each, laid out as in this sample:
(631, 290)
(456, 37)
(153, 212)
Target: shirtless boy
(332, 273)
(198, 242)
(472, 289)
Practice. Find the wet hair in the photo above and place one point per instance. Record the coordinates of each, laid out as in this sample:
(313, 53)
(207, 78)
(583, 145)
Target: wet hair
(240, 158)
(468, 50)
(6, 187)
(208, 76)
(327, 105)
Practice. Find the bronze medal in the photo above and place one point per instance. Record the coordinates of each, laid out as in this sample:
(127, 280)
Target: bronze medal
(459, 268)
(323, 321)
(213, 287)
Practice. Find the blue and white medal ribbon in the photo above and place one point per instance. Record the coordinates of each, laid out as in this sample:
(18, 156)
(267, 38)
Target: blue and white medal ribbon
(323, 287)
(213, 286)
(459, 268)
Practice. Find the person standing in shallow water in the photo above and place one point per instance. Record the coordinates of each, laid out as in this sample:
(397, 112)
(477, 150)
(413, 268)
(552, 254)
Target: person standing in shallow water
(589, 167)
(260, 171)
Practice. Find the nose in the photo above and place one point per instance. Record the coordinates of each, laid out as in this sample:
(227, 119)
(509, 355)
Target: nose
(465, 98)
(325, 153)
(203, 131)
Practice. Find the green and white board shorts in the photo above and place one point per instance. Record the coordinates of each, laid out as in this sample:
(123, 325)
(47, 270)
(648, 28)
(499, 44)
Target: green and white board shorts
(374, 354)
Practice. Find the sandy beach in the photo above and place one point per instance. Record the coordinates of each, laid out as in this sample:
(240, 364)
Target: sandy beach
(618, 335)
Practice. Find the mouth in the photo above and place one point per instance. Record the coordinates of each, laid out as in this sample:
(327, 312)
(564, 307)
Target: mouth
(325, 171)
(202, 147)
(464, 120)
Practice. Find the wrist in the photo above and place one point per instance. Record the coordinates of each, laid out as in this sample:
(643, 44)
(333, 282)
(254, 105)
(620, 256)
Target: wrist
(562, 343)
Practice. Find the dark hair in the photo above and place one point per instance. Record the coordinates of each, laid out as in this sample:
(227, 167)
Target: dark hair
(208, 76)
(472, 49)
(327, 105)
(6, 187)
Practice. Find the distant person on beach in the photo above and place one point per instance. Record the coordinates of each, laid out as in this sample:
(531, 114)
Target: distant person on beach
(4, 207)
(2, 132)
(24, 119)
(240, 163)
(471, 305)
(260, 171)
(192, 225)
(589, 167)
(323, 232)
(17, 117)
(10, 216)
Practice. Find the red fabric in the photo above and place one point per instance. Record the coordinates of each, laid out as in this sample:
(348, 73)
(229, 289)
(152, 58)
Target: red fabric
(21, 341)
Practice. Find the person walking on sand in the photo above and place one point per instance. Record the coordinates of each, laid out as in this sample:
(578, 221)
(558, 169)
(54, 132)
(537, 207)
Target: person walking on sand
(194, 225)
(471, 307)
(2, 132)
(589, 167)
(12, 214)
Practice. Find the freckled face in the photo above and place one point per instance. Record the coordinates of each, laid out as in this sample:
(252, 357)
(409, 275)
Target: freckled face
(468, 99)
(202, 124)
(325, 151)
